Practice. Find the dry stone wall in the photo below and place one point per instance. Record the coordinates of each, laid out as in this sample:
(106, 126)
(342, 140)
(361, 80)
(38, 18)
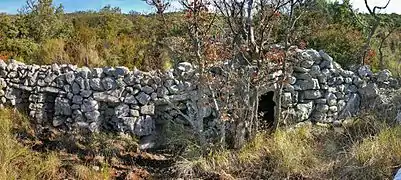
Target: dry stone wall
(131, 101)
(322, 91)
(115, 99)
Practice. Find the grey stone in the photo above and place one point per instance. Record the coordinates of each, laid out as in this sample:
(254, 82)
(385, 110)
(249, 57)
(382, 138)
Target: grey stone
(77, 99)
(147, 89)
(303, 76)
(341, 88)
(312, 84)
(153, 96)
(62, 106)
(320, 117)
(312, 94)
(331, 98)
(370, 91)
(134, 113)
(89, 105)
(364, 71)
(148, 109)
(93, 127)
(327, 64)
(292, 80)
(75, 106)
(321, 101)
(339, 80)
(120, 71)
(300, 69)
(393, 83)
(41, 82)
(368, 94)
(106, 97)
(58, 121)
(322, 108)
(86, 93)
(304, 110)
(130, 99)
(352, 106)
(129, 122)
(340, 105)
(3, 65)
(333, 108)
(108, 71)
(96, 85)
(75, 88)
(339, 95)
(120, 83)
(325, 56)
(314, 54)
(144, 126)
(131, 79)
(322, 79)
(398, 121)
(162, 92)
(50, 78)
(122, 110)
(173, 89)
(108, 83)
(45, 89)
(80, 81)
(69, 77)
(307, 63)
(184, 66)
(78, 116)
(315, 70)
(348, 80)
(289, 88)
(97, 72)
(84, 72)
(143, 98)
(383, 76)
(92, 116)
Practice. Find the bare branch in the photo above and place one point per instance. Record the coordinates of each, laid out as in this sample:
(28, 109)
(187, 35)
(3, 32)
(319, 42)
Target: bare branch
(160, 5)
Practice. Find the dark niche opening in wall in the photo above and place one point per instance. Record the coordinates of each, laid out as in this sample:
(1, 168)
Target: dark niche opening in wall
(49, 103)
(20, 98)
(266, 110)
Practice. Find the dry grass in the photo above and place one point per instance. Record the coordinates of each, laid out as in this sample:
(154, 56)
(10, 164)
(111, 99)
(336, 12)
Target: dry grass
(364, 149)
(83, 172)
(21, 162)
(377, 157)
(18, 162)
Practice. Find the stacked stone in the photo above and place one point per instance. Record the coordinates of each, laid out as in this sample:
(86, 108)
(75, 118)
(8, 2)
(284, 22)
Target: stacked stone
(320, 90)
(68, 97)
(174, 94)
(120, 100)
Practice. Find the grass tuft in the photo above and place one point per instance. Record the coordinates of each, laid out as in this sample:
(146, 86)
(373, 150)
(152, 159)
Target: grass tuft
(17, 161)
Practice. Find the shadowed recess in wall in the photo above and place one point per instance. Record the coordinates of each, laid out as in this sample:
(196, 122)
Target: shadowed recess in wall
(266, 109)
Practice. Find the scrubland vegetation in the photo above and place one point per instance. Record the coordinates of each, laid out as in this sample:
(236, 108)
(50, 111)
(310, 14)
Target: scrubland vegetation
(43, 33)
(365, 147)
